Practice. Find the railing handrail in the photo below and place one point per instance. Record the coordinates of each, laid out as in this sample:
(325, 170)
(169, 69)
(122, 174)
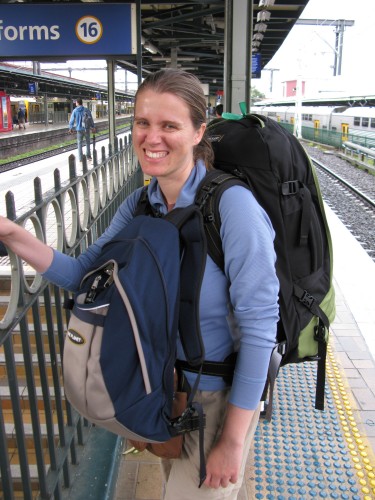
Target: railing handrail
(74, 213)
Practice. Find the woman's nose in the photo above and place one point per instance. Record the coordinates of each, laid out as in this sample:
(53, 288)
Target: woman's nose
(153, 135)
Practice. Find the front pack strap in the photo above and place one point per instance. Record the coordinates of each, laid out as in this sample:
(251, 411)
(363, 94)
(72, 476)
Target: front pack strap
(189, 221)
(88, 316)
(224, 369)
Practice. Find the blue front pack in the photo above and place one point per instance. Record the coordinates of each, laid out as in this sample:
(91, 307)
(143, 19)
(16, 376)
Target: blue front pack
(120, 349)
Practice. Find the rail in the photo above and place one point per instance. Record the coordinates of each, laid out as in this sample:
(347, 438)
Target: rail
(363, 157)
(42, 438)
(362, 196)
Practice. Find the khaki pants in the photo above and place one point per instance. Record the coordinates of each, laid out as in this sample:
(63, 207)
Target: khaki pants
(181, 476)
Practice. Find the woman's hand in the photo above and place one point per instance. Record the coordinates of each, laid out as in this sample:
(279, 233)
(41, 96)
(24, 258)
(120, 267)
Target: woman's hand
(225, 459)
(223, 464)
(25, 245)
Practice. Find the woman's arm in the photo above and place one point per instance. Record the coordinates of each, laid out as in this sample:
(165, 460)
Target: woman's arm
(28, 247)
(247, 238)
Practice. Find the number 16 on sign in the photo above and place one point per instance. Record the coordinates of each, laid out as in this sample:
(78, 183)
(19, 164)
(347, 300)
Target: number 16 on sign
(89, 29)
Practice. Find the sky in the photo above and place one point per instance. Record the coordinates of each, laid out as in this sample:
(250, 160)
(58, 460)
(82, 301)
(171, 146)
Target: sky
(307, 51)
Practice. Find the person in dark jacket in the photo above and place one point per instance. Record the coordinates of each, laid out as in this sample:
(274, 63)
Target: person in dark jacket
(21, 118)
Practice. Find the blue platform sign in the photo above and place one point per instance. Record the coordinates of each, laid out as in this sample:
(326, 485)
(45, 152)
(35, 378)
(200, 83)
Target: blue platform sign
(81, 31)
(32, 87)
(256, 65)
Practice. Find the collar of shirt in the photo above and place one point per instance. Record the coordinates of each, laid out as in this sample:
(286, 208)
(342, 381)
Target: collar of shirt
(187, 193)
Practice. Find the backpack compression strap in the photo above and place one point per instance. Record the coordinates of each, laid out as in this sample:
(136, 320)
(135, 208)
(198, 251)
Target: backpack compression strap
(320, 335)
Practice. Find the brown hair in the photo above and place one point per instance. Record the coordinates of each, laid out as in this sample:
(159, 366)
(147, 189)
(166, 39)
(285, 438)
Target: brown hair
(188, 88)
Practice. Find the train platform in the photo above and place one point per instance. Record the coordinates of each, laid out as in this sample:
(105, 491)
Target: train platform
(304, 453)
(32, 128)
(19, 141)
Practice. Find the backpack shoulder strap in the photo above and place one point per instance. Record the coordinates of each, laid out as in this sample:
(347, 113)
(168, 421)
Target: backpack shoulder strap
(189, 221)
(144, 206)
(207, 199)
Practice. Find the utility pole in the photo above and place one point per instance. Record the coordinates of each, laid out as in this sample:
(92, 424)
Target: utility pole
(271, 78)
(340, 25)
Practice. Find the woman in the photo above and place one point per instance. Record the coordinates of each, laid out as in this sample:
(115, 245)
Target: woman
(238, 308)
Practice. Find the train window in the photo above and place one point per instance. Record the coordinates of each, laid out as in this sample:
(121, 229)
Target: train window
(365, 122)
(372, 123)
(310, 118)
(357, 121)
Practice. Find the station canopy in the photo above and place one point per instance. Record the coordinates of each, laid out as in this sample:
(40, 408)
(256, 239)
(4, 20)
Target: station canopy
(190, 34)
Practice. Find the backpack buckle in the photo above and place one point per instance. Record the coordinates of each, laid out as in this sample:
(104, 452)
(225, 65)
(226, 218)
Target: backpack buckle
(209, 218)
(320, 332)
(307, 299)
(187, 422)
(290, 187)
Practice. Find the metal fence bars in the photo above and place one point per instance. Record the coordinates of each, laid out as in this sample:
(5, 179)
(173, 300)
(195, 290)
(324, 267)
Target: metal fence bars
(332, 137)
(42, 438)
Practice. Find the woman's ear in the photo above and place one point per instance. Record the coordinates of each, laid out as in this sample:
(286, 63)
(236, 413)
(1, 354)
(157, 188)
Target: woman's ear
(200, 133)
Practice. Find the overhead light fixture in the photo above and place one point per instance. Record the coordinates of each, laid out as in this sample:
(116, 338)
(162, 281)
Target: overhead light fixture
(150, 47)
(255, 43)
(262, 27)
(258, 36)
(263, 15)
(266, 3)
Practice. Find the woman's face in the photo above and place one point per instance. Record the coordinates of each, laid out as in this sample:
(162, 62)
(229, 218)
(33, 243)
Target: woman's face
(163, 135)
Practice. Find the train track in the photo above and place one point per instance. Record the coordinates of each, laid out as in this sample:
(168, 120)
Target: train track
(353, 189)
(354, 206)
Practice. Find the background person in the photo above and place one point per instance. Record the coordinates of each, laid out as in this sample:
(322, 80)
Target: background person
(219, 110)
(83, 131)
(15, 120)
(238, 308)
(21, 118)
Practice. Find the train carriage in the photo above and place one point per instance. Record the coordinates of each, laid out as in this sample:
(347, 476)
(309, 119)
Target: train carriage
(354, 123)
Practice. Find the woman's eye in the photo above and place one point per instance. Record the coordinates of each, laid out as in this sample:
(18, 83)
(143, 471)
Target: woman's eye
(170, 126)
(140, 123)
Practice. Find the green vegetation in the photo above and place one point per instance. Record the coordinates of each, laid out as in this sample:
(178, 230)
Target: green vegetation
(256, 95)
(35, 152)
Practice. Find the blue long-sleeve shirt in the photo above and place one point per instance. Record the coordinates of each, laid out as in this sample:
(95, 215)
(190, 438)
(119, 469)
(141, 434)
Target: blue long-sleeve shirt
(77, 117)
(238, 309)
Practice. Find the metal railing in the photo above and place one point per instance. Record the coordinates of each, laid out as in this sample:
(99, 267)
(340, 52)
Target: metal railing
(41, 435)
(331, 137)
(53, 117)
